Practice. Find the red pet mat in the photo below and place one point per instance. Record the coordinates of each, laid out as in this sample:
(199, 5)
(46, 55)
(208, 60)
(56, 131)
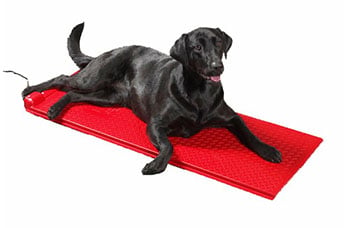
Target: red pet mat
(222, 157)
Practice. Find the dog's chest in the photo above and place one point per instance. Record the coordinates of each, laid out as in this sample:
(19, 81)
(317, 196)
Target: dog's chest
(205, 104)
(190, 123)
(198, 117)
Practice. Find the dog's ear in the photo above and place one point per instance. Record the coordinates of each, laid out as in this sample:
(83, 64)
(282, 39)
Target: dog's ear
(179, 50)
(227, 41)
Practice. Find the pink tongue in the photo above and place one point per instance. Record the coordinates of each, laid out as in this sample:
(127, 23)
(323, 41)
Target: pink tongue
(215, 78)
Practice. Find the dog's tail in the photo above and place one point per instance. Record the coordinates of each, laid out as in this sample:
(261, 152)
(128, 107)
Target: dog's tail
(73, 43)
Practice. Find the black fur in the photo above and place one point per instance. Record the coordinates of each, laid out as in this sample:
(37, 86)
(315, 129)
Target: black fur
(73, 45)
(175, 95)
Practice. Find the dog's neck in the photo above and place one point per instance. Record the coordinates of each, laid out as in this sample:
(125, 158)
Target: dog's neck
(195, 90)
(194, 81)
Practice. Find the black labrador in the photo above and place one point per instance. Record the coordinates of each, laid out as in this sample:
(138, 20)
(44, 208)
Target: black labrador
(176, 95)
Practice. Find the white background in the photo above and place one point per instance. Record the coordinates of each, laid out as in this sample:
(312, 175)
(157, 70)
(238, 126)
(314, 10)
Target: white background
(286, 65)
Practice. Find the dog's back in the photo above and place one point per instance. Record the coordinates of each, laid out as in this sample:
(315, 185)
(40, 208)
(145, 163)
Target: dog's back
(141, 76)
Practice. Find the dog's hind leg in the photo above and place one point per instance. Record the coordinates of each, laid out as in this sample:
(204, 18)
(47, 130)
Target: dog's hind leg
(100, 98)
(160, 140)
(60, 82)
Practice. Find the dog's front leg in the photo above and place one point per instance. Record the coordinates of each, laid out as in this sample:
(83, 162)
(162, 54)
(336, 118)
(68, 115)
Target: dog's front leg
(235, 124)
(159, 139)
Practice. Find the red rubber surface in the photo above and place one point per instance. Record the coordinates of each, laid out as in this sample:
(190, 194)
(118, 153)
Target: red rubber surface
(222, 157)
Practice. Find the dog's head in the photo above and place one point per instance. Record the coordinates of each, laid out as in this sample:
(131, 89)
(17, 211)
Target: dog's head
(201, 51)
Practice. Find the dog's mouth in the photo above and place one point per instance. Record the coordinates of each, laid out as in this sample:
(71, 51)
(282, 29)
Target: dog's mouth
(215, 78)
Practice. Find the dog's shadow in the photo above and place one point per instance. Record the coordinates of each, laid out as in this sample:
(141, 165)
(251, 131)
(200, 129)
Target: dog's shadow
(210, 138)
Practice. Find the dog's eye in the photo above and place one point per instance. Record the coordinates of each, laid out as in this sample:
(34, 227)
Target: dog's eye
(218, 43)
(198, 47)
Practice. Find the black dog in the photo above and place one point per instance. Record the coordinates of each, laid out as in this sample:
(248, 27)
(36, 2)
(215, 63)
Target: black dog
(176, 95)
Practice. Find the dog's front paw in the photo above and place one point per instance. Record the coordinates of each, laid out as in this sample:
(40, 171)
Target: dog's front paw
(269, 153)
(154, 167)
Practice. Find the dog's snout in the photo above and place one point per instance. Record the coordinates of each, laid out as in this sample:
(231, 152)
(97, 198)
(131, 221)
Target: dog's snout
(217, 65)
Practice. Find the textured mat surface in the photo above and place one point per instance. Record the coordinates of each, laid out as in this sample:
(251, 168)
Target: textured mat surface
(222, 157)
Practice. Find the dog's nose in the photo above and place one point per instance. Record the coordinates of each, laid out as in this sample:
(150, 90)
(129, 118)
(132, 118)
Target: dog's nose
(217, 65)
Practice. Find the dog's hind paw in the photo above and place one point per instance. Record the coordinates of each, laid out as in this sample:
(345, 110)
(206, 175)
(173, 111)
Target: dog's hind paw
(27, 91)
(54, 111)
